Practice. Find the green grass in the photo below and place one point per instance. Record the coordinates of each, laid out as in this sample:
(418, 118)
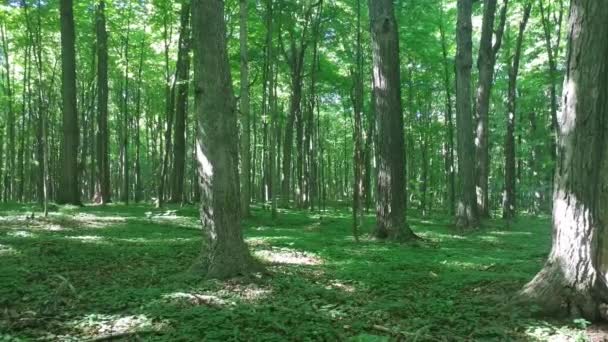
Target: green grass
(95, 272)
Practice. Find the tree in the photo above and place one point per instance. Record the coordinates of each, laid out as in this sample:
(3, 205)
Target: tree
(508, 205)
(181, 105)
(244, 107)
(357, 99)
(485, 64)
(466, 207)
(225, 254)
(572, 282)
(391, 196)
(103, 155)
(69, 191)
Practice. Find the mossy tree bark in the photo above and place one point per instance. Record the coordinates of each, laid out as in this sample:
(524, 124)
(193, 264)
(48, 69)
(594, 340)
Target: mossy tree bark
(225, 253)
(574, 280)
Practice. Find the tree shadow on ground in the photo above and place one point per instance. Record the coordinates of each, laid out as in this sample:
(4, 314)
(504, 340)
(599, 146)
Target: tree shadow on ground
(132, 276)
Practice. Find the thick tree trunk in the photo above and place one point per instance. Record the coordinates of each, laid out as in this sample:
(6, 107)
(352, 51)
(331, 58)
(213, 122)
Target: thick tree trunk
(68, 192)
(485, 64)
(245, 110)
(509, 196)
(466, 208)
(392, 193)
(574, 279)
(181, 107)
(225, 253)
(103, 161)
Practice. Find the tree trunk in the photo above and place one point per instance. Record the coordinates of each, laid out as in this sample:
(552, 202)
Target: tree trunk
(466, 209)
(103, 161)
(245, 111)
(225, 254)
(68, 192)
(392, 192)
(449, 145)
(552, 53)
(10, 120)
(485, 64)
(138, 178)
(508, 206)
(169, 111)
(358, 130)
(573, 280)
(181, 107)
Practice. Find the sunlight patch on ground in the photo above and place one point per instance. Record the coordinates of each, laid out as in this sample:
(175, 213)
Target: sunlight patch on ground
(288, 256)
(546, 332)
(171, 216)
(7, 250)
(507, 233)
(144, 240)
(196, 299)
(21, 233)
(336, 284)
(100, 325)
(227, 296)
(89, 239)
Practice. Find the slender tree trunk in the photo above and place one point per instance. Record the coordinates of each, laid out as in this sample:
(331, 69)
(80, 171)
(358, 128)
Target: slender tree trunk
(572, 281)
(169, 111)
(245, 111)
(392, 194)
(553, 49)
(466, 209)
(181, 107)
(358, 130)
(509, 196)
(485, 64)
(103, 158)
(225, 253)
(138, 177)
(449, 145)
(10, 144)
(68, 192)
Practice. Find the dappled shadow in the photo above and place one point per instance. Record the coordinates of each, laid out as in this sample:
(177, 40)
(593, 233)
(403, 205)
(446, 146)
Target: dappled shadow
(322, 285)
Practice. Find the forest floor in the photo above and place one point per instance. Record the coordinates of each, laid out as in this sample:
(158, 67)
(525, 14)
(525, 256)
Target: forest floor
(124, 273)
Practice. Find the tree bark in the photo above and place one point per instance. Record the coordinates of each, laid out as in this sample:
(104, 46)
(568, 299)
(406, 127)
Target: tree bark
(103, 161)
(358, 157)
(449, 145)
(245, 110)
(466, 208)
(69, 191)
(181, 106)
(485, 64)
(509, 195)
(225, 254)
(392, 193)
(573, 280)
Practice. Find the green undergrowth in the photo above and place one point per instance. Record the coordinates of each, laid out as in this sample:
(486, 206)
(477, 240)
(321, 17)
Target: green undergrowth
(122, 273)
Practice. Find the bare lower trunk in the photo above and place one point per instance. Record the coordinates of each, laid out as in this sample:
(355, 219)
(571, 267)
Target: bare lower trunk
(391, 197)
(466, 208)
(485, 63)
(225, 254)
(69, 191)
(509, 199)
(574, 279)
